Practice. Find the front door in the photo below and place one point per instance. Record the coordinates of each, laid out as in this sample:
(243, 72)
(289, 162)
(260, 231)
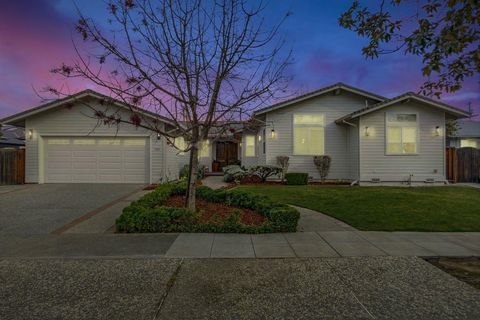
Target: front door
(227, 153)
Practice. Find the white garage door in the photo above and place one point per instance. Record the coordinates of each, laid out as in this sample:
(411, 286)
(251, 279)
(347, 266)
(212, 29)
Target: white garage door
(95, 160)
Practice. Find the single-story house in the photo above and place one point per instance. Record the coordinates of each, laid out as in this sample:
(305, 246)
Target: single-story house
(12, 137)
(467, 135)
(370, 139)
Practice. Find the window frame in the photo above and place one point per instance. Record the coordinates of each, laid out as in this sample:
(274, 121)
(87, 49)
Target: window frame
(405, 125)
(322, 126)
(264, 142)
(254, 137)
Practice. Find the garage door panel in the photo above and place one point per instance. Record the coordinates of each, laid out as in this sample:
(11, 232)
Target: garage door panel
(59, 165)
(108, 165)
(58, 153)
(110, 154)
(59, 178)
(93, 159)
(82, 154)
(85, 165)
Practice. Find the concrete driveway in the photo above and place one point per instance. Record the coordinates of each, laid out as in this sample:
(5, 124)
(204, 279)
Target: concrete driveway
(41, 209)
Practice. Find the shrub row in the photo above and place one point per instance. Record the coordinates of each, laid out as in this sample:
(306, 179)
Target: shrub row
(149, 215)
(296, 178)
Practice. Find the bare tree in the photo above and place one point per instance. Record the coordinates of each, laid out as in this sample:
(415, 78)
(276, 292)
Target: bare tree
(202, 64)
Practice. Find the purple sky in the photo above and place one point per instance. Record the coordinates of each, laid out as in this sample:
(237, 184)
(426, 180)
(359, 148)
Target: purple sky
(36, 35)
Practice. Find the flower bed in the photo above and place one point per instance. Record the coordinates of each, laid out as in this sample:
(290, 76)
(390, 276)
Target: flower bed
(217, 211)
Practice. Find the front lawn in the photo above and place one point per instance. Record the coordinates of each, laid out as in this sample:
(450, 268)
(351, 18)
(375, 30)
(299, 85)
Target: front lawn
(386, 208)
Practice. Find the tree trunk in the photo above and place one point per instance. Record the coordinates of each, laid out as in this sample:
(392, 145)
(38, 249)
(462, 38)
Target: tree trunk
(192, 178)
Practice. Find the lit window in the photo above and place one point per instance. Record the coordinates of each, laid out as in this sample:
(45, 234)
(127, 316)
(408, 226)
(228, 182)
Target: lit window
(250, 146)
(180, 144)
(308, 134)
(106, 142)
(471, 143)
(134, 142)
(402, 133)
(58, 141)
(204, 151)
(83, 141)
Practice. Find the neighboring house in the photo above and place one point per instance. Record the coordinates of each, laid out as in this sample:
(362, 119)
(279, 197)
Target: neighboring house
(467, 135)
(12, 137)
(370, 139)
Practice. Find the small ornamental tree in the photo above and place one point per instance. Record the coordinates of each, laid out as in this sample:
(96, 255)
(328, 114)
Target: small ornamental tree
(323, 165)
(202, 65)
(264, 172)
(282, 162)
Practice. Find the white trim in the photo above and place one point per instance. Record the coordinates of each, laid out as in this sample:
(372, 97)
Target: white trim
(42, 154)
(74, 97)
(383, 105)
(319, 93)
(417, 126)
(254, 145)
(323, 125)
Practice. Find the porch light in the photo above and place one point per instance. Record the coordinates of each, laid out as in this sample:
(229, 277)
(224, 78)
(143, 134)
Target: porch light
(438, 131)
(158, 136)
(259, 138)
(30, 134)
(367, 133)
(273, 134)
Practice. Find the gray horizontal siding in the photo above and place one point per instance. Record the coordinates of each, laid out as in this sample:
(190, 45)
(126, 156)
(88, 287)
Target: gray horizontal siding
(336, 136)
(78, 121)
(375, 163)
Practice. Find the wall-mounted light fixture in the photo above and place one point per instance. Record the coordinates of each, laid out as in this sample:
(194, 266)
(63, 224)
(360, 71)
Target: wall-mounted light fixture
(259, 138)
(367, 132)
(30, 134)
(273, 134)
(438, 131)
(159, 136)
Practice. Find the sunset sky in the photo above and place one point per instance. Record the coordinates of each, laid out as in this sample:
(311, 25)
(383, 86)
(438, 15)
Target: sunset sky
(36, 35)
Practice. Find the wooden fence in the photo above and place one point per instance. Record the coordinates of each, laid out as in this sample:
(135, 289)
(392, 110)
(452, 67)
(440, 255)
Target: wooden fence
(463, 164)
(12, 166)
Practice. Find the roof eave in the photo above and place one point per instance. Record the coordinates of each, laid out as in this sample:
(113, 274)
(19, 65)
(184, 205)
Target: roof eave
(451, 110)
(319, 93)
(18, 119)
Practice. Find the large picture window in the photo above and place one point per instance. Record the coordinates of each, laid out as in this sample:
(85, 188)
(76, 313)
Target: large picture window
(402, 133)
(308, 134)
(249, 146)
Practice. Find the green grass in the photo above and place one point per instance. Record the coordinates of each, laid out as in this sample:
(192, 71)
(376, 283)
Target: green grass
(386, 208)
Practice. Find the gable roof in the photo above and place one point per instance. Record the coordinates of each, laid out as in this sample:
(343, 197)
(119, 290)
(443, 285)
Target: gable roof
(406, 96)
(18, 117)
(318, 92)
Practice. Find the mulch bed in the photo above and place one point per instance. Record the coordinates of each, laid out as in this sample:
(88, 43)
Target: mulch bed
(465, 269)
(210, 211)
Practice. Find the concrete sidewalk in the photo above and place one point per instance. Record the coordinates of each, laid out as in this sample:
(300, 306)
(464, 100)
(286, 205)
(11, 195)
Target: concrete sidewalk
(207, 245)
(325, 288)
(325, 244)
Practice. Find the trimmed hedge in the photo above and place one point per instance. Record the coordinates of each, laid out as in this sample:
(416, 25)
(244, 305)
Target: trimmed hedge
(149, 215)
(296, 178)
